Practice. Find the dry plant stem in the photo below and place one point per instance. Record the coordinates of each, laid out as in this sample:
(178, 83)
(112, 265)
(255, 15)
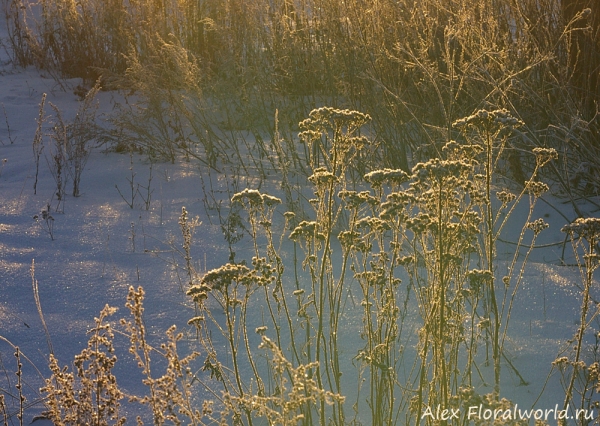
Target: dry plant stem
(187, 231)
(586, 269)
(58, 161)
(80, 133)
(3, 410)
(38, 144)
(140, 348)
(132, 186)
(10, 138)
(38, 304)
(489, 260)
(19, 386)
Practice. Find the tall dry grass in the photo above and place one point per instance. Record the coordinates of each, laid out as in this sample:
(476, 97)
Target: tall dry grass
(414, 66)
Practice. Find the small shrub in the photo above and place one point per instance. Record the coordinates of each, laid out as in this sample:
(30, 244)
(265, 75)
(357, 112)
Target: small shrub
(90, 394)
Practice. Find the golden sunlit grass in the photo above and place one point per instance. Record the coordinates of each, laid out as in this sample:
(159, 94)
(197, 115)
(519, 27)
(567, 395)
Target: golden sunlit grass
(414, 66)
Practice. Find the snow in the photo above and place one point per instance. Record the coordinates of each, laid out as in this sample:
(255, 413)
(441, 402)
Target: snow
(101, 247)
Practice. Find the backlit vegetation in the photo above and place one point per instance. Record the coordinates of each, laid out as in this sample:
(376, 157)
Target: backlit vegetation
(445, 116)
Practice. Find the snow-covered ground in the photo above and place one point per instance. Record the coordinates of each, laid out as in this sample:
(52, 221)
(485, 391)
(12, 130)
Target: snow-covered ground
(101, 246)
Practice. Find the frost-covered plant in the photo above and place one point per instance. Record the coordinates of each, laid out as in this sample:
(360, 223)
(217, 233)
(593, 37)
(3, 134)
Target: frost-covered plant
(487, 134)
(284, 406)
(38, 141)
(69, 149)
(188, 226)
(333, 139)
(47, 219)
(584, 234)
(57, 157)
(136, 188)
(171, 396)
(90, 394)
(80, 133)
(430, 226)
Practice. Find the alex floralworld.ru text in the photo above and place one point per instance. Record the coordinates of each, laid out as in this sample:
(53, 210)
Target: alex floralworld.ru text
(479, 412)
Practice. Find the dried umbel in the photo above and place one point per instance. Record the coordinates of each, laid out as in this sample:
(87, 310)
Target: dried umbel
(537, 225)
(255, 198)
(536, 188)
(321, 177)
(491, 121)
(505, 197)
(219, 279)
(332, 118)
(441, 171)
(386, 176)
(304, 229)
(544, 155)
(333, 137)
(588, 228)
(461, 151)
(354, 199)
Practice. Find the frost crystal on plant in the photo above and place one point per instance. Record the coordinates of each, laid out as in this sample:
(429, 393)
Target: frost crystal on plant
(505, 197)
(378, 177)
(587, 228)
(537, 225)
(536, 188)
(255, 198)
(544, 155)
(489, 120)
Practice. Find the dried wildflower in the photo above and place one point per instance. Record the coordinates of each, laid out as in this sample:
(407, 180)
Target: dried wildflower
(418, 223)
(544, 155)
(396, 203)
(351, 198)
(255, 198)
(537, 225)
(352, 239)
(536, 188)
(348, 238)
(440, 171)
(588, 228)
(196, 320)
(355, 199)
(207, 408)
(450, 258)
(505, 197)
(594, 371)
(304, 229)
(309, 136)
(478, 278)
(405, 260)
(321, 176)
(219, 279)
(329, 115)
(372, 224)
(199, 293)
(326, 119)
(489, 120)
(378, 177)
(264, 272)
(458, 151)
(403, 198)
(484, 323)
(270, 200)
